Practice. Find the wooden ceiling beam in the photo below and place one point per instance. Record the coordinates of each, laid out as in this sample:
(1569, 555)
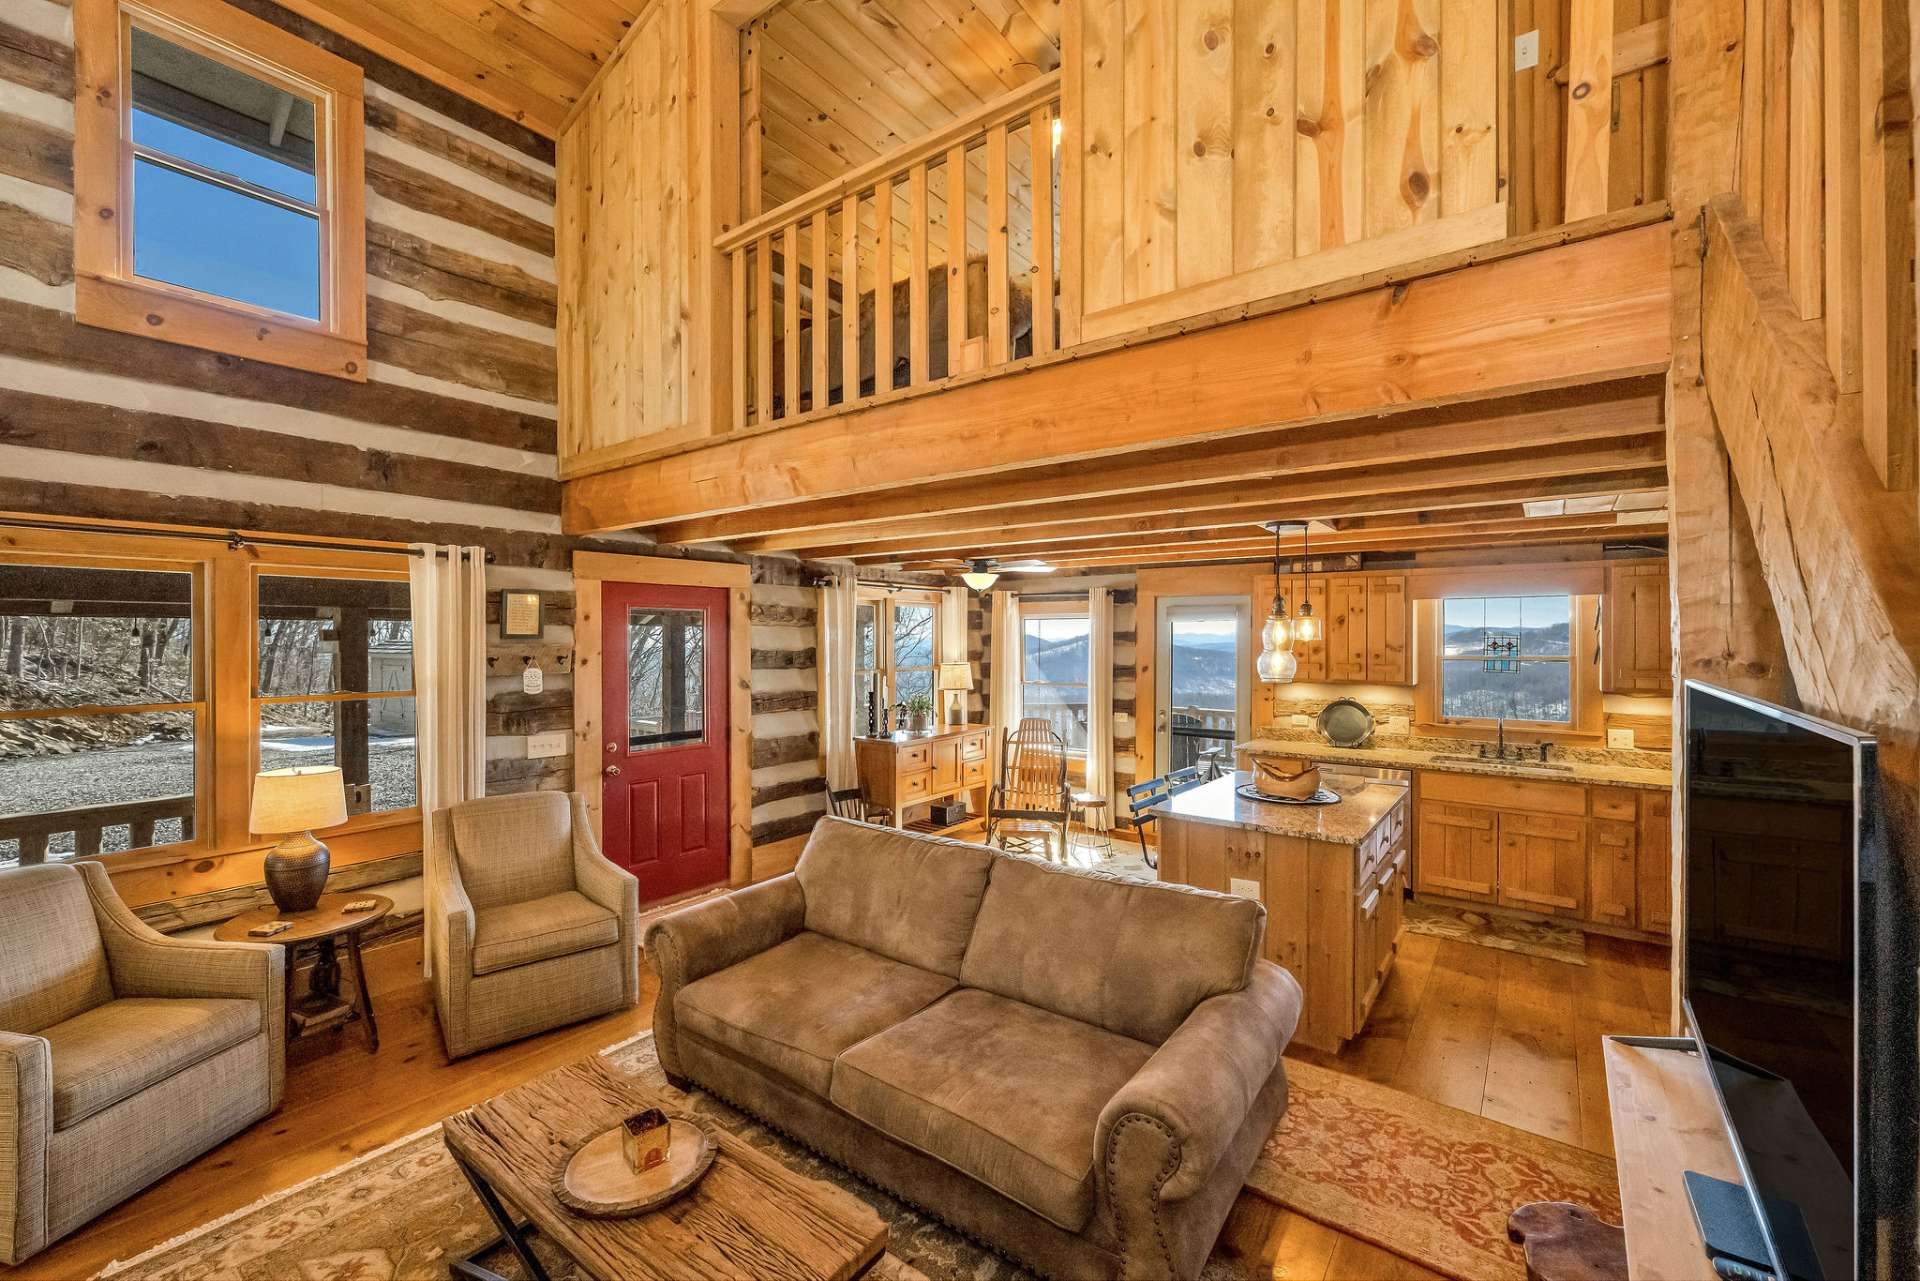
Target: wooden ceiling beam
(1591, 311)
(1388, 530)
(1564, 472)
(1541, 420)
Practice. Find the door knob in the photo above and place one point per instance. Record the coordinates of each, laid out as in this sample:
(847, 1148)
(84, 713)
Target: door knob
(613, 771)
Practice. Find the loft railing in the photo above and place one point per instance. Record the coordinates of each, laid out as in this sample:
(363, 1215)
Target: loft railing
(88, 824)
(936, 260)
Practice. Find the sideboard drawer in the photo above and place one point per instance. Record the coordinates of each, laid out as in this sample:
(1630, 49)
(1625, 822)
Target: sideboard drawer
(973, 747)
(973, 773)
(911, 787)
(913, 756)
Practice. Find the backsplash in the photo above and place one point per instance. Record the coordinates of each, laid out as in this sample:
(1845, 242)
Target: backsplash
(1397, 714)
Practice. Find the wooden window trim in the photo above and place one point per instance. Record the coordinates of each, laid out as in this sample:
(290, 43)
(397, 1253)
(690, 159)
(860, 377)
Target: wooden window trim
(1054, 609)
(227, 754)
(108, 294)
(884, 599)
(1588, 722)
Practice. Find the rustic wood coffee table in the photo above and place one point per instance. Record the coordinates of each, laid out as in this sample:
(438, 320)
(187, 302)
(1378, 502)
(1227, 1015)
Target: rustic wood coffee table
(749, 1217)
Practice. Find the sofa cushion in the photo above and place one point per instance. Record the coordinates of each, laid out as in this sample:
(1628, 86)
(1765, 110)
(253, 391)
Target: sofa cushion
(999, 1090)
(513, 848)
(52, 965)
(795, 1007)
(908, 897)
(539, 929)
(1143, 955)
(113, 1051)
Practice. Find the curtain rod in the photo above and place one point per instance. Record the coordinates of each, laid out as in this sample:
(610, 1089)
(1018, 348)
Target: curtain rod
(233, 538)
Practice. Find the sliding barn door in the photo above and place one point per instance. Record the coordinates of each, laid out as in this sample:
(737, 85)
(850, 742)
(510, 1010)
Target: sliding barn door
(1236, 149)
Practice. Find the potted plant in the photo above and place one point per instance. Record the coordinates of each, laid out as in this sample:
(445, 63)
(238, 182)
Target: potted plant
(919, 711)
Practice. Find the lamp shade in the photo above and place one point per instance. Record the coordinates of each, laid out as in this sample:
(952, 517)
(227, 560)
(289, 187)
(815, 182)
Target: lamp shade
(956, 676)
(298, 800)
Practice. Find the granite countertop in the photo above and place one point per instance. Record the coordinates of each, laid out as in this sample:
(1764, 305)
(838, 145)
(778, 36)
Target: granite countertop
(1409, 758)
(1363, 803)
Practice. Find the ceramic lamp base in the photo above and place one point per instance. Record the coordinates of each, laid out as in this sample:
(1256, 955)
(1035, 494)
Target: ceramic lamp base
(297, 873)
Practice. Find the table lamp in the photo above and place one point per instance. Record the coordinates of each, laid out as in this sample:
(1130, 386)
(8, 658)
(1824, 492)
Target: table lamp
(290, 803)
(953, 678)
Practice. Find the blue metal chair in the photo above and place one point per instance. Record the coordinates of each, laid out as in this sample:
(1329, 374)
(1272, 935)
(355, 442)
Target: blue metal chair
(1142, 797)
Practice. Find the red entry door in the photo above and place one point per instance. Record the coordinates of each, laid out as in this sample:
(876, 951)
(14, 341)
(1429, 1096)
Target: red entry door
(664, 714)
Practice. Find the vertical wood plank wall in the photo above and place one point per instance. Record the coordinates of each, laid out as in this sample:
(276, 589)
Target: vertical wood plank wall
(627, 324)
(1230, 149)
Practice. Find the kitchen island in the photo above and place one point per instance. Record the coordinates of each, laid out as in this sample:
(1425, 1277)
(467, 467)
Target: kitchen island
(1333, 878)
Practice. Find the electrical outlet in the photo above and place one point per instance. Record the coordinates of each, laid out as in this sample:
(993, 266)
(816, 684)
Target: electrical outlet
(1526, 50)
(1302, 720)
(1622, 738)
(1244, 887)
(1397, 725)
(541, 746)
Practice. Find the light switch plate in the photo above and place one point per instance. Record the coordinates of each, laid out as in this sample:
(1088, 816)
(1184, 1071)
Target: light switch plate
(1244, 887)
(1526, 50)
(541, 746)
(1622, 738)
(1302, 720)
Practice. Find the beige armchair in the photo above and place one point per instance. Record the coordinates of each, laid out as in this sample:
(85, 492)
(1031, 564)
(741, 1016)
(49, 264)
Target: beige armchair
(124, 1054)
(531, 927)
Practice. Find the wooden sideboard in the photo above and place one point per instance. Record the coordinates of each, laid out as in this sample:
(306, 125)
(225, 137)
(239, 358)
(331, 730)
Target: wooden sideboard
(906, 769)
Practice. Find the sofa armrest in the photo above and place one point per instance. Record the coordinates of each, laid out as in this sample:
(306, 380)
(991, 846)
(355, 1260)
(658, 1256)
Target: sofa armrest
(26, 1126)
(708, 937)
(1167, 1128)
(613, 888)
(145, 962)
(449, 912)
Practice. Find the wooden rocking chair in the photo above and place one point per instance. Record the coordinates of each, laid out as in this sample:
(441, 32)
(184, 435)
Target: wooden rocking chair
(1031, 803)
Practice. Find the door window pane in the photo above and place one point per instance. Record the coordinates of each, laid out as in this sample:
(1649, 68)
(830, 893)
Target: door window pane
(334, 636)
(76, 637)
(1203, 674)
(95, 784)
(370, 739)
(666, 677)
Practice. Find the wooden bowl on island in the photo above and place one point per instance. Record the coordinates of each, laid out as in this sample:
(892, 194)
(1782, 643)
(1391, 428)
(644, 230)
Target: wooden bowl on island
(1291, 777)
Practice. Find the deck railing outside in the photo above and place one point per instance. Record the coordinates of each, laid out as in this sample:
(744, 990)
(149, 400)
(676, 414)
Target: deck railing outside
(88, 824)
(1197, 731)
(905, 271)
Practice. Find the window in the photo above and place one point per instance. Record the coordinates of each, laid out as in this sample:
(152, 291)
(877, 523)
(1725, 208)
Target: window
(895, 652)
(1054, 649)
(1507, 657)
(144, 680)
(666, 678)
(232, 155)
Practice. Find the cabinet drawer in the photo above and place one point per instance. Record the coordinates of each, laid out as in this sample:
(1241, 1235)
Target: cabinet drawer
(1533, 796)
(912, 756)
(1615, 802)
(973, 773)
(911, 787)
(973, 747)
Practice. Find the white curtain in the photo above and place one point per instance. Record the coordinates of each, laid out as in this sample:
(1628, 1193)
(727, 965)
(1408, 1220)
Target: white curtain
(1100, 705)
(953, 647)
(1004, 698)
(837, 711)
(449, 683)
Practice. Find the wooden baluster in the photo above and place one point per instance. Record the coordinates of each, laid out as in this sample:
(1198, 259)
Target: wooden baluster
(917, 286)
(86, 841)
(999, 346)
(1589, 107)
(186, 821)
(790, 319)
(883, 287)
(850, 299)
(33, 849)
(822, 322)
(1040, 171)
(140, 833)
(956, 258)
(738, 283)
(763, 331)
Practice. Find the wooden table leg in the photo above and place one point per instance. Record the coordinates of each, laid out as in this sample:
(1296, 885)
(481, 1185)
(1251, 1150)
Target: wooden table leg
(292, 955)
(366, 998)
(511, 1233)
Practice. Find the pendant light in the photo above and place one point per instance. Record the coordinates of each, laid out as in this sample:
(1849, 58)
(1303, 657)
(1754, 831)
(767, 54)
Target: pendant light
(979, 576)
(1277, 662)
(1306, 628)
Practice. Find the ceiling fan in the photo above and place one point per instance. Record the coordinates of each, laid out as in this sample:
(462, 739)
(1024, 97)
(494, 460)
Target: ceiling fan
(982, 572)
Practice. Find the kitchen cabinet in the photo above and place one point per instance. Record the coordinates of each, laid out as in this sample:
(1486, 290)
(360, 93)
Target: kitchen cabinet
(1388, 632)
(1613, 843)
(1346, 628)
(1366, 627)
(1654, 859)
(1459, 851)
(1543, 863)
(1636, 640)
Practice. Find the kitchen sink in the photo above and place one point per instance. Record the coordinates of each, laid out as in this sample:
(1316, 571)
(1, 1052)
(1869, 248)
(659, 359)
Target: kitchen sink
(1559, 767)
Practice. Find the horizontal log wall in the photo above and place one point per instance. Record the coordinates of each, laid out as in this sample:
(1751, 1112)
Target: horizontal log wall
(788, 780)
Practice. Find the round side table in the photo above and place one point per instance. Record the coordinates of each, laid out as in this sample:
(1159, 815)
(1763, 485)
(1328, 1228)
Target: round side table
(1084, 804)
(325, 927)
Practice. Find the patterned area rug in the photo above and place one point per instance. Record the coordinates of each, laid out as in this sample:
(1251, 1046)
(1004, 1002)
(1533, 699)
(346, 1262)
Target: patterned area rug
(1428, 1182)
(1548, 939)
(1424, 1181)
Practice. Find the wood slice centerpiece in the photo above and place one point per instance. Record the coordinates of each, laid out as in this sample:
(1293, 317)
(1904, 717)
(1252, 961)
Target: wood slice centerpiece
(598, 1179)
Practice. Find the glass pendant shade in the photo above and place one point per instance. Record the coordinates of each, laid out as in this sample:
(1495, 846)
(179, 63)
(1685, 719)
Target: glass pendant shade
(1276, 663)
(1276, 666)
(1306, 628)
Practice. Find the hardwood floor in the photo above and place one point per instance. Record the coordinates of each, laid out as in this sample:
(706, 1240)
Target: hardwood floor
(1510, 1037)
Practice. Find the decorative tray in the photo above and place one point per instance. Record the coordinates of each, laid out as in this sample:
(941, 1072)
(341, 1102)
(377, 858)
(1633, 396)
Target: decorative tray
(597, 1180)
(1325, 796)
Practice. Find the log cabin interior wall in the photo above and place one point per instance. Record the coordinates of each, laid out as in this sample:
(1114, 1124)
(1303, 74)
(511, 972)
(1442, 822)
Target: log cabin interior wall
(451, 439)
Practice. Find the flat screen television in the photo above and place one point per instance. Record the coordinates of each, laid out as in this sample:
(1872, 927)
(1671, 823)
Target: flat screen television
(1799, 990)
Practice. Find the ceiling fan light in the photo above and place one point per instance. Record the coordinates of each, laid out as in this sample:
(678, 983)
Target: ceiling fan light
(979, 579)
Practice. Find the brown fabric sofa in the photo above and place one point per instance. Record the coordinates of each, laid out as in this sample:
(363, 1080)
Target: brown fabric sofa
(1075, 1068)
